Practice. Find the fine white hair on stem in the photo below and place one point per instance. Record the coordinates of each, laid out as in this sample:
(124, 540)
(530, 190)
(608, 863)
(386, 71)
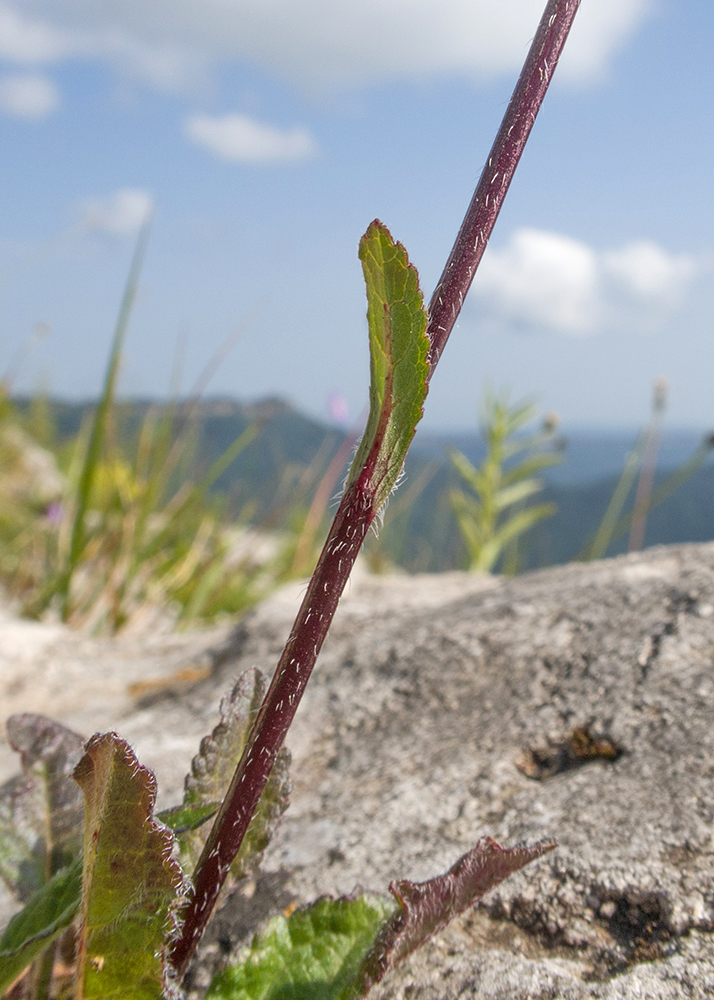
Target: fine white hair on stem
(378, 522)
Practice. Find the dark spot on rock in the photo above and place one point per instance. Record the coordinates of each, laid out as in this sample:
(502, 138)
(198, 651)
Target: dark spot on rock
(579, 747)
(638, 924)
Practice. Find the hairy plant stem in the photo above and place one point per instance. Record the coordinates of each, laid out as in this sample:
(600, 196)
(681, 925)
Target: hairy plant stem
(354, 516)
(497, 175)
(357, 508)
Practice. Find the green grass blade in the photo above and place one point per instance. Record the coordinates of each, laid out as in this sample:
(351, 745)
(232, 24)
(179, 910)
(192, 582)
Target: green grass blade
(99, 427)
(182, 819)
(529, 466)
(485, 523)
(228, 457)
(465, 469)
(667, 488)
(516, 493)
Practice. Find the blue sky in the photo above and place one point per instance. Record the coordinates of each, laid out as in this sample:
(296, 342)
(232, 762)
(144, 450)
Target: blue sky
(267, 135)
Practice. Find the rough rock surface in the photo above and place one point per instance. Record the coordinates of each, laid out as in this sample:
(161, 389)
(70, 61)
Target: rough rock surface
(428, 695)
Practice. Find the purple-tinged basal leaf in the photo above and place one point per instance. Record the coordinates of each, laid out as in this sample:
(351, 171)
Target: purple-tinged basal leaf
(50, 911)
(398, 348)
(338, 949)
(41, 814)
(212, 769)
(131, 883)
(427, 907)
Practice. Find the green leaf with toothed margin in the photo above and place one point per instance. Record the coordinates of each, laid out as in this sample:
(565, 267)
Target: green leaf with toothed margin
(211, 772)
(339, 949)
(314, 954)
(131, 884)
(398, 348)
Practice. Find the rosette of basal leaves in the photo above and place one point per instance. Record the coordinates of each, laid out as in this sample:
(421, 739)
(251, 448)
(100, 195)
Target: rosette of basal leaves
(338, 949)
(211, 772)
(398, 348)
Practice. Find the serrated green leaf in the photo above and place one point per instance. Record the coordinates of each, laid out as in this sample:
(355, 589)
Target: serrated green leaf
(339, 949)
(314, 954)
(131, 884)
(212, 770)
(41, 814)
(398, 348)
(50, 911)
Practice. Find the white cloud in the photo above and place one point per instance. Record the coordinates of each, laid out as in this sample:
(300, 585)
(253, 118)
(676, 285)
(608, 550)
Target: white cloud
(550, 281)
(28, 96)
(647, 272)
(541, 279)
(29, 40)
(120, 214)
(601, 28)
(243, 140)
(318, 43)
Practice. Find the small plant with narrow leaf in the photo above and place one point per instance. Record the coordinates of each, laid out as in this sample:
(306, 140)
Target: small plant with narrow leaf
(111, 912)
(494, 512)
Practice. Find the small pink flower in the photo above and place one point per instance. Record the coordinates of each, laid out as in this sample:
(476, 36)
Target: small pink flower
(54, 512)
(338, 409)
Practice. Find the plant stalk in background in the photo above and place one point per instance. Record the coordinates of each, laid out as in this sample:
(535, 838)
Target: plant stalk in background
(615, 524)
(649, 465)
(404, 356)
(603, 536)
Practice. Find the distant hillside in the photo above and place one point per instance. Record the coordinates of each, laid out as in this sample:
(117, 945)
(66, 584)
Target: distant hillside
(285, 462)
(589, 455)
(424, 537)
(264, 475)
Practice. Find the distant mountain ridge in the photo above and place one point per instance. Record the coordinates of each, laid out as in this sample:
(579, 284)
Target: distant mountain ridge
(292, 451)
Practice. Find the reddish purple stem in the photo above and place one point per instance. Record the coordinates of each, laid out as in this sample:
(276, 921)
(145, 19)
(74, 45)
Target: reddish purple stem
(498, 173)
(354, 516)
(357, 508)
